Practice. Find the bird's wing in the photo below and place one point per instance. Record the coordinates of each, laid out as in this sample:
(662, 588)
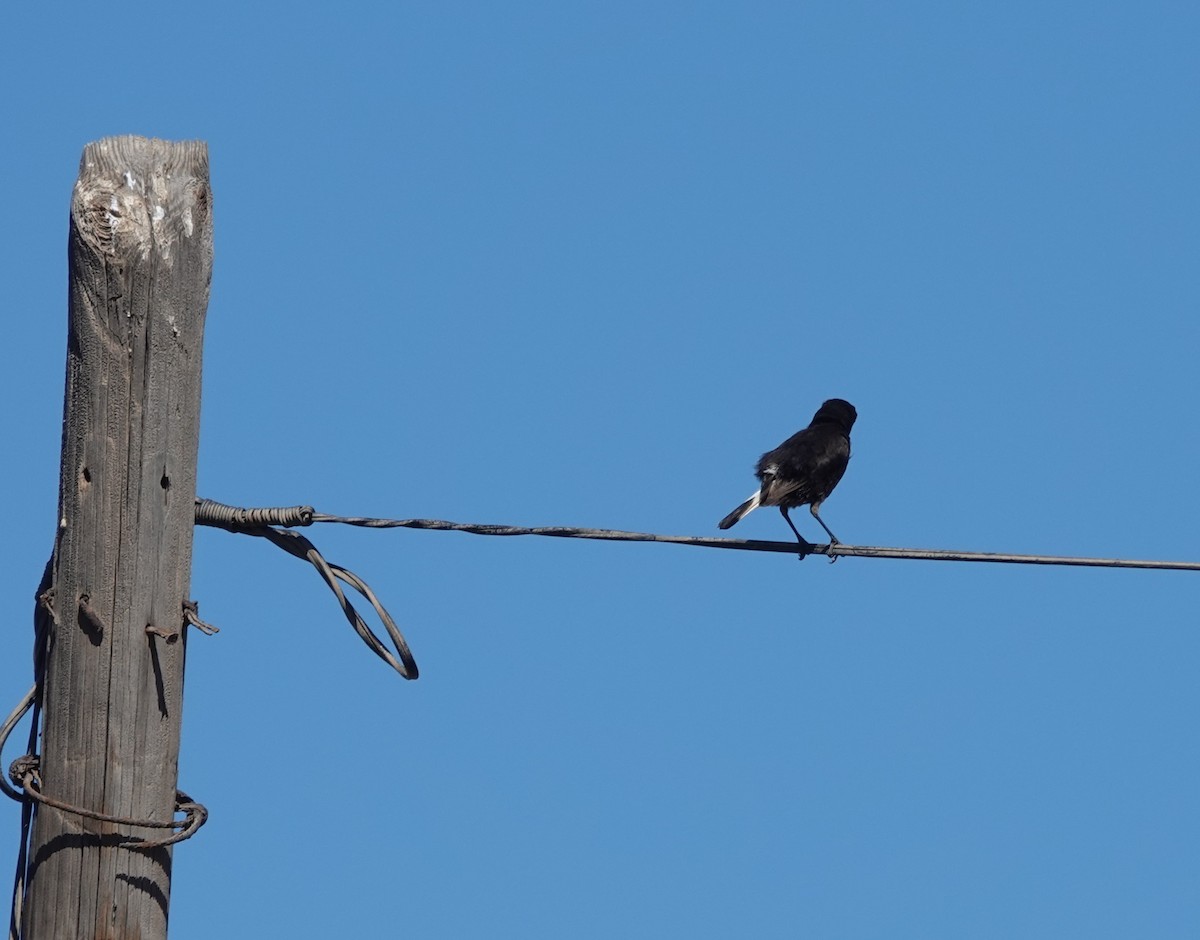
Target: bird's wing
(805, 467)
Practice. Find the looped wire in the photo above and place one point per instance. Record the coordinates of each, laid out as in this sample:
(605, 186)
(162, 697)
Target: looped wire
(210, 512)
(7, 728)
(24, 773)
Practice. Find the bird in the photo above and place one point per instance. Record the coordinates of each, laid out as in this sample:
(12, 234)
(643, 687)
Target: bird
(804, 469)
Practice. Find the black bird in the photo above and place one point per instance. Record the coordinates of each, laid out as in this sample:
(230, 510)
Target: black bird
(805, 468)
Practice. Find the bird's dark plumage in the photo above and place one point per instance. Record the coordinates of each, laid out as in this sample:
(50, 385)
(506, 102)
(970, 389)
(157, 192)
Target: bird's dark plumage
(804, 469)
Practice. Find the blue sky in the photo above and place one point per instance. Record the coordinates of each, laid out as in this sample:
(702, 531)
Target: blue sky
(580, 264)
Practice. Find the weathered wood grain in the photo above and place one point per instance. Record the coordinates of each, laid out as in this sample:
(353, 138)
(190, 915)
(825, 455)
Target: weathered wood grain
(140, 256)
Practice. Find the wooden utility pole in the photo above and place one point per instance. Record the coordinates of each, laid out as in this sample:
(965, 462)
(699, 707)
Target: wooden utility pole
(140, 255)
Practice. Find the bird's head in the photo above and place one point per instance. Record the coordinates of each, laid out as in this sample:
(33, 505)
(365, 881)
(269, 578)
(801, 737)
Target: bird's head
(836, 411)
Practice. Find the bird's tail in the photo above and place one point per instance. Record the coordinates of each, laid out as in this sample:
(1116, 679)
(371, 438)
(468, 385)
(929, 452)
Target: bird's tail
(736, 516)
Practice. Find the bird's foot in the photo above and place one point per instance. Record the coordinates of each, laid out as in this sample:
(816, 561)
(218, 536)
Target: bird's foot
(832, 542)
(806, 549)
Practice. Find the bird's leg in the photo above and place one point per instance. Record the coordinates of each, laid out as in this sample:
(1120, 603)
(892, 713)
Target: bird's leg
(833, 539)
(805, 545)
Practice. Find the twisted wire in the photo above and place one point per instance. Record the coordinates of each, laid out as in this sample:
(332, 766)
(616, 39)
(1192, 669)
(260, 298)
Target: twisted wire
(836, 550)
(269, 524)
